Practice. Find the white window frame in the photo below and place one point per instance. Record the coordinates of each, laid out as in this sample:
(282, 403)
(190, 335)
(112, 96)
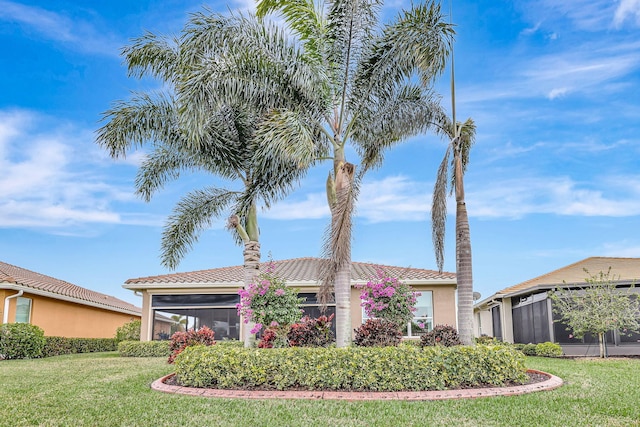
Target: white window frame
(423, 319)
(20, 301)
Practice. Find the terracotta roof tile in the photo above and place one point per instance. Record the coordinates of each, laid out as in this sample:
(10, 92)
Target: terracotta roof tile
(297, 269)
(30, 279)
(627, 268)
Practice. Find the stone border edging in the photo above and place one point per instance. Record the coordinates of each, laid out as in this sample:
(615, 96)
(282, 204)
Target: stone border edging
(551, 383)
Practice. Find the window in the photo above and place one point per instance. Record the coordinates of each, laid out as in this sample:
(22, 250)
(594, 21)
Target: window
(423, 316)
(311, 307)
(422, 319)
(23, 310)
(216, 311)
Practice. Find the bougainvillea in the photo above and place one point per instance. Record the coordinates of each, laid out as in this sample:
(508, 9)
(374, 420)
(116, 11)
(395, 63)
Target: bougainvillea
(388, 298)
(269, 303)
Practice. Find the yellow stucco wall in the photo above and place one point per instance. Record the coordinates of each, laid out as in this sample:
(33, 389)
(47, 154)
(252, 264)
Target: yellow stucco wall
(67, 319)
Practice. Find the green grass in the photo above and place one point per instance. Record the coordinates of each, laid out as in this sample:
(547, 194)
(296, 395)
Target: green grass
(106, 390)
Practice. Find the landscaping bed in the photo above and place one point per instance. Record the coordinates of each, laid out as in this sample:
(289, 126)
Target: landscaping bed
(401, 368)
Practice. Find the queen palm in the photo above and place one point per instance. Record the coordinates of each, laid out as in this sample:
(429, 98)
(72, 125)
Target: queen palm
(370, 99)
(226, 149)
(450, 178)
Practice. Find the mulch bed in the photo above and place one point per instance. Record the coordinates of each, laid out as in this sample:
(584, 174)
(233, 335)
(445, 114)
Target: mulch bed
(534, 377)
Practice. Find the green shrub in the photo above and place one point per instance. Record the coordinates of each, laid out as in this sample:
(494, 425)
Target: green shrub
(529, 349)
(548, 349)
(441, 335)
(519, 346)
(230, 343)
(21, 341)
(144, 348)
(377, 333)
(486, 340)
(404, 367)
(129, 331)
(55, 346)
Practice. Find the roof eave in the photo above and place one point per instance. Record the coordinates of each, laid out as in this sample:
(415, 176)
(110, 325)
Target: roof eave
(34, 291)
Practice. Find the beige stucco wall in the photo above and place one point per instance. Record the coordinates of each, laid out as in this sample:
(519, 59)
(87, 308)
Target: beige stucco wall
(444, 303)
(68, 319)
(482, 322)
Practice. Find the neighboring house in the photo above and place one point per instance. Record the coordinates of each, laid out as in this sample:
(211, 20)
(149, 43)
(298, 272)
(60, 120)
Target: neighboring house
(209, 297)
(58, 307)
(524, 314)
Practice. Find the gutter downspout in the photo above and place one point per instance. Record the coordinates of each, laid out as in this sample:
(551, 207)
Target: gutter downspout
(5, 313)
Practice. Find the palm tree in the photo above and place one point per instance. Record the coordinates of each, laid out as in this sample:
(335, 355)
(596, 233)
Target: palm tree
(226, 149)
(368, 97)
(451, 176)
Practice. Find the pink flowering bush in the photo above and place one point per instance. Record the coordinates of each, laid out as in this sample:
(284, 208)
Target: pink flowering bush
(269, 303)
(388, 298)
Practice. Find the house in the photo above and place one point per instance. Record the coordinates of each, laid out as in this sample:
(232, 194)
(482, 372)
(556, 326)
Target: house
(209, 297)
(58, 307)
(524, 313)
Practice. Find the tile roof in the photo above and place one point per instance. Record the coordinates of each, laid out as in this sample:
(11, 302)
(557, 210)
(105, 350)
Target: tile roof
(55, 288)
(628, 269)
(294, 270)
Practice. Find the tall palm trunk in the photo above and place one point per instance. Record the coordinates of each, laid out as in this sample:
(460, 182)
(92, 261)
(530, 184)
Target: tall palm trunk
(338, 246)
(249, 235)
(463, 258)
(343, 305)
(251, 254)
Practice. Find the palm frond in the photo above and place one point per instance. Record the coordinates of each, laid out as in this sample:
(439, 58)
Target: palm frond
(439, 209)
(388, 121)
(161, 166)
(303, 17)
(153, 55)
(132, 123)
(193, 213)
(245, 62)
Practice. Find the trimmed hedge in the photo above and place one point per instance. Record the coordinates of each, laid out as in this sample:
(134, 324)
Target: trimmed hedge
(160, 348)
(548, 349)
(544, 349)
(144, 349)
(405, 367)
(21, 341)
(56, 346)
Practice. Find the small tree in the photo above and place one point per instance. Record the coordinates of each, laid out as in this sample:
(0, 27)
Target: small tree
(598, 308)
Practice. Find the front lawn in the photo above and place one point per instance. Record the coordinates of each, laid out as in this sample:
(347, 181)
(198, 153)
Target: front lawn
(103, 389)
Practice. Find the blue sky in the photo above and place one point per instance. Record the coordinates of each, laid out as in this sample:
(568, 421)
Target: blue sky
(554, 88)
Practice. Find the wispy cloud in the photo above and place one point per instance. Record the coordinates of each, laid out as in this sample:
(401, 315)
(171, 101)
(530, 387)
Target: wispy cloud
(71, 31)
(627, 9)
(48, 180)
(585, 15)
(394, 198)
(516, 198)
